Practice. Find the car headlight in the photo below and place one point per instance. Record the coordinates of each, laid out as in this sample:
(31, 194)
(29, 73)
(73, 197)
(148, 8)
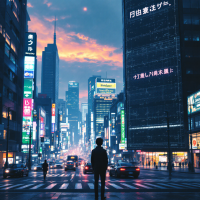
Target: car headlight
(7, 171)
(35, 168)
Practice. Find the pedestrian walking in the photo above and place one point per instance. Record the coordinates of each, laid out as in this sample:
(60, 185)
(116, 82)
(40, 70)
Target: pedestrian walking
(99, 160)
(45, 168)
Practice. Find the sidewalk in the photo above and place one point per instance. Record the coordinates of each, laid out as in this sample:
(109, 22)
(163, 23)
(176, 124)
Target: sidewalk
(175, 169)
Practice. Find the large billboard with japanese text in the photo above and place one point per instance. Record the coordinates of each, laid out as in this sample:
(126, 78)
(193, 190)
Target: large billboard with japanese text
(30, 44)
(152, 74)
(194, 103)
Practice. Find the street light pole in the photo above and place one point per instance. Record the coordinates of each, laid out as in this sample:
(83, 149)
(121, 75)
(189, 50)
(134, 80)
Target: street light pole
(30, 149)
(169, 153)
(7, 137)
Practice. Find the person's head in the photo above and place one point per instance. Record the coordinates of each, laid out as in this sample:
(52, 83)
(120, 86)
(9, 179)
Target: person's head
(99, 141)
(45, 161)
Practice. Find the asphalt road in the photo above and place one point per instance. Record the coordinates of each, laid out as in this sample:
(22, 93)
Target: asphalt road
(59, 182)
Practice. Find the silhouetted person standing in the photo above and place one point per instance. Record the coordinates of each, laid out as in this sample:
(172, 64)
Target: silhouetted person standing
(45, 168)
(99, 160)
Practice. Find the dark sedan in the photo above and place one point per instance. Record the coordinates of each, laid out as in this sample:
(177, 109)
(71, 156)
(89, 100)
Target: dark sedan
(70, 165)
(38, 167)
(15, 170)
(87, 168)
(58, 166)
(126, 169)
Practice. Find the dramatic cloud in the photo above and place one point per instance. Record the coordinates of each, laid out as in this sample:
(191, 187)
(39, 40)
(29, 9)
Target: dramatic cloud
(74, 47)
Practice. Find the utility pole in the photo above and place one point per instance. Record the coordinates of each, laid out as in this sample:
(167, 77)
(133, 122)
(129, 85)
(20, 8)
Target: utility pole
(169, 153)
(7, 137)
(30, 149)
(192, 158)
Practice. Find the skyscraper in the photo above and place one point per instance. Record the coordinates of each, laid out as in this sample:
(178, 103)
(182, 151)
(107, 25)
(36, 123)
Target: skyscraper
(50, 71)
(13, 26)
(91, 92)
(161, 57)
(72, 99)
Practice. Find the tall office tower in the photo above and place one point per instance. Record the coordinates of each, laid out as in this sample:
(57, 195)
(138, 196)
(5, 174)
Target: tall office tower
(84, 109)
(50, 73)
(72, 98)
(91, 93)
(161, 59)
(13, 25)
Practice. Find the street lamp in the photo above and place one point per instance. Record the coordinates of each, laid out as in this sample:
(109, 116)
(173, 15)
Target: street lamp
(169, 153)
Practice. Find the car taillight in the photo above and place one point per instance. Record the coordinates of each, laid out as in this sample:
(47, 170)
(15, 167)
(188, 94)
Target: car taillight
(137, 169)
(86, 167)
(122, 169)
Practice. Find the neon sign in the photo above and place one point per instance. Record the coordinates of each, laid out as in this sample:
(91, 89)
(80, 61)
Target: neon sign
(147, 10)
(154, 73)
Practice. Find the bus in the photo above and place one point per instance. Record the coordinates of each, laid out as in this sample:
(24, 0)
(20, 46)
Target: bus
(73, 158)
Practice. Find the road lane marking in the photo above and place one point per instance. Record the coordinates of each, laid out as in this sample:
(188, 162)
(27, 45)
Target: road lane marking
(129, 186)
(91, 186)
(62, 174)
(64, 186)
(147, 187)
(50, 186)
(37, 186)
(25, 186)
(78, 186)
(7, 184)
(169, 185)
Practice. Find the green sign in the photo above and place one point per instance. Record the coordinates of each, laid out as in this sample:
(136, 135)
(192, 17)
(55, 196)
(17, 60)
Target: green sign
(122, 127)
(40, 149)
(26, 138)
(28, 88)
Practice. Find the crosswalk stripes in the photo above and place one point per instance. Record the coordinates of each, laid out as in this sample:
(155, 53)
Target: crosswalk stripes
(78, 186)
(51, 186)
(5, 185)
(37, 186)
(25, 186)
(115, 186)
(91, 186)
(144, 186)
(64, 186)
(109, 186)
(128, 186)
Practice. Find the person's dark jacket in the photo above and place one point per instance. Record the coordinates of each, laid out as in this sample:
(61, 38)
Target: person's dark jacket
(45, 167)
(99, 159)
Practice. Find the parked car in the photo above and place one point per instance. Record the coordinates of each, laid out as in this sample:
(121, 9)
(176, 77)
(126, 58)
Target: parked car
(51, 165)
(126, 169)
(70, 165)
(15, 170)
(87, 168)
(38, 167)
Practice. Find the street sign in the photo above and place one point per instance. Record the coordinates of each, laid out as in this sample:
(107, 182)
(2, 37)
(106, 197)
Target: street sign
(28, 89)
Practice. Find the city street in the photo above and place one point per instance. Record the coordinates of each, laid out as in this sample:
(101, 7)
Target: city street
(73, 185)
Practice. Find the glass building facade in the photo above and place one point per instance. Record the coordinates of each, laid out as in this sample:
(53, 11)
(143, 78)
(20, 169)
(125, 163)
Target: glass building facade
(158, 74)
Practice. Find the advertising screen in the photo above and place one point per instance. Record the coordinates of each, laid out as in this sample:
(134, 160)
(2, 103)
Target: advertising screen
(28, 74)
(28, 88)
(122, 127)
(30, 44)
(27, 107)
(152, 74)
(194, 103)
(29, 63)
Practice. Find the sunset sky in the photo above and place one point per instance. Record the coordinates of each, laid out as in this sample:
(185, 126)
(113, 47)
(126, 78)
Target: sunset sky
(89, 39)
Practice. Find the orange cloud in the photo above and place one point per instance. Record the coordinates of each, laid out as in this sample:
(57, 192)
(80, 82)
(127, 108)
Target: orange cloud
(29, 5)
(74, 47)
(47, 3)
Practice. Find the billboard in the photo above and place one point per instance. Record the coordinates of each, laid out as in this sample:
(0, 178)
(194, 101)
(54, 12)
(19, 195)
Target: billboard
(29, 74)
(122, 127)
(53, 117)
(29, 63)
(105, 86)
(27, 107)
(194, 103)
(30, 44)
(28, 88)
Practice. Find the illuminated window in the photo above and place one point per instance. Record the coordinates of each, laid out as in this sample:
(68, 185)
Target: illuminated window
(1, 30)
(7, 39)
(4, 134)
(7, 50)
(12, 58)
(13, 47)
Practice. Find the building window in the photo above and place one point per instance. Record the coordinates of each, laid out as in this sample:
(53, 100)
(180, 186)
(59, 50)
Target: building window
(13, 47)
(7, 38)
(195, 37)
(4, 134)
(5, 91)
(195, 19)
(12, 58)
(187, 19)
(7, 50)
(1, 29)
(194, 3)
(186, 3)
